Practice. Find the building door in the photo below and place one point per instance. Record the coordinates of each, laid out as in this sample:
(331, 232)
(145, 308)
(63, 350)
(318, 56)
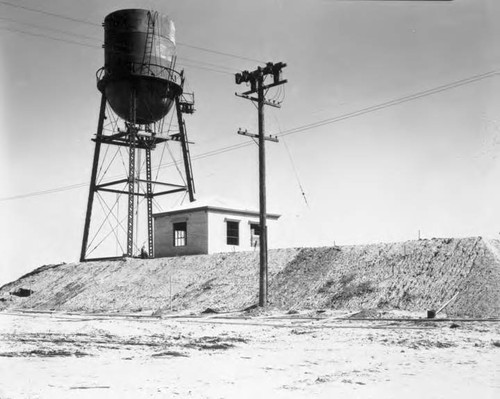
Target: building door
(254, 235)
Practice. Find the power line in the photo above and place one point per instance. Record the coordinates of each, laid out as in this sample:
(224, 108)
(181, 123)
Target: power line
(392, 103)
(302, 192)
(188, 65)
(220, 53)
(51, 29)
(86, 22)
(229, 69)
(52, 14)
(96, 40)
(47, 37)
(49, 191)
(302, 128)
(80, 185)
(204, 68)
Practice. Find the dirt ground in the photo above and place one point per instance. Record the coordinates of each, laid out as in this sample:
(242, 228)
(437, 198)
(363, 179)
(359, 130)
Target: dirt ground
(236, 356)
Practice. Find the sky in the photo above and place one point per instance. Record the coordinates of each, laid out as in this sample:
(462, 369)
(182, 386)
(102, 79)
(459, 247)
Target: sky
(427, 164)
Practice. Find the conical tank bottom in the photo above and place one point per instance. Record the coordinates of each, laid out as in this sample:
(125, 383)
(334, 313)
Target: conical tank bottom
(153, 98)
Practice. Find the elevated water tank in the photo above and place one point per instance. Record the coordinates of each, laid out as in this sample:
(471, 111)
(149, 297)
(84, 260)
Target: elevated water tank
(139, 60)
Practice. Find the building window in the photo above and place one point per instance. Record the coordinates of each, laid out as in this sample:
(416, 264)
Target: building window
(233, 233)
(254, 235)
(180, 234)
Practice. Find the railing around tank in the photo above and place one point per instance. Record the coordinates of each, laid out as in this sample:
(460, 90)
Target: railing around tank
(140, 69)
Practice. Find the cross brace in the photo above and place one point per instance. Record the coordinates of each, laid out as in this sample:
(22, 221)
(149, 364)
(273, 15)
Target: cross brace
(265, 87)
(143, 141)
(270, 103)
(268, 138)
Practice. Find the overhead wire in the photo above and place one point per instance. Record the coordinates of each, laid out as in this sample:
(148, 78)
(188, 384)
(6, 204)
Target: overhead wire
(44, 36)
(302, 191)
(392, 103)
(209, 64)
(52, 14)
(205, 68)
(87, 22)
(51, 29)
(303, 128)
(284, 94)
(187, 62)
(190, 64)
(294, 168)
(48, 37)
(220, 52)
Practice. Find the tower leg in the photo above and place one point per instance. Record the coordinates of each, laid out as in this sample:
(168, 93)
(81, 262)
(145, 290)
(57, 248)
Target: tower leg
(149, 199)
(132, 133)
(92, 190)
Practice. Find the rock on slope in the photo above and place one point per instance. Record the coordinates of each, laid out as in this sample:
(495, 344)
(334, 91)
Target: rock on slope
(414, 275)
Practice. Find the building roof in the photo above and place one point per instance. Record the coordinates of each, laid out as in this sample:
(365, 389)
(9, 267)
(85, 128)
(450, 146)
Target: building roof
(215, 205)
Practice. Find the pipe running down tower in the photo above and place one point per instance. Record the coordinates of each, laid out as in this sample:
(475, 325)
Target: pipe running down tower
(139, 85)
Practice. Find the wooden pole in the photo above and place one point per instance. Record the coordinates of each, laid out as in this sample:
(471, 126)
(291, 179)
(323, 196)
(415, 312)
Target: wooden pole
(262, 196)
(256, 80)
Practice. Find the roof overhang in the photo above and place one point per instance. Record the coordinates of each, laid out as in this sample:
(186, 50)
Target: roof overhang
(216, 209)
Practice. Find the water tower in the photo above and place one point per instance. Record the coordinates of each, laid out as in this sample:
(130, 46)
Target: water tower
(139, 85)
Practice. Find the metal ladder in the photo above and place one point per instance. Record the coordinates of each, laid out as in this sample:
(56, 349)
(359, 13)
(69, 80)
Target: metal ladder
(148, 47)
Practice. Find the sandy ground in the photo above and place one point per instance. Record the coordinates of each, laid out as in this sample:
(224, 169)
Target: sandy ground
(225, 356)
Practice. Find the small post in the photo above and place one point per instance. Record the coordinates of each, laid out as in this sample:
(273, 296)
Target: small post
(170, 278)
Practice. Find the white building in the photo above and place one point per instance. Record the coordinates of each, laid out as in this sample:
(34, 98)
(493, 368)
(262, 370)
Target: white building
(202, 228)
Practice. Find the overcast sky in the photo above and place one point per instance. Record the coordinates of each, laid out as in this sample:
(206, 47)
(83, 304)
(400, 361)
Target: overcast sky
(428, 164)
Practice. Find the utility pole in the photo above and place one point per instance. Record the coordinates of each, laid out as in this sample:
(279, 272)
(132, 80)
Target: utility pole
(256, 79)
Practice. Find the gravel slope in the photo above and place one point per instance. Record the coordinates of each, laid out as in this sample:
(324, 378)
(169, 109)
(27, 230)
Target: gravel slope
(413, 275)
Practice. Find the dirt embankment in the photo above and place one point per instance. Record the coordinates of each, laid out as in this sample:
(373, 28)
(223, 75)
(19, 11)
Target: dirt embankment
(414, 275)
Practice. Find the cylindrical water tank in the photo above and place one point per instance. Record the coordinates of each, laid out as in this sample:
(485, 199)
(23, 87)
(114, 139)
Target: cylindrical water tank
(138, 78)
